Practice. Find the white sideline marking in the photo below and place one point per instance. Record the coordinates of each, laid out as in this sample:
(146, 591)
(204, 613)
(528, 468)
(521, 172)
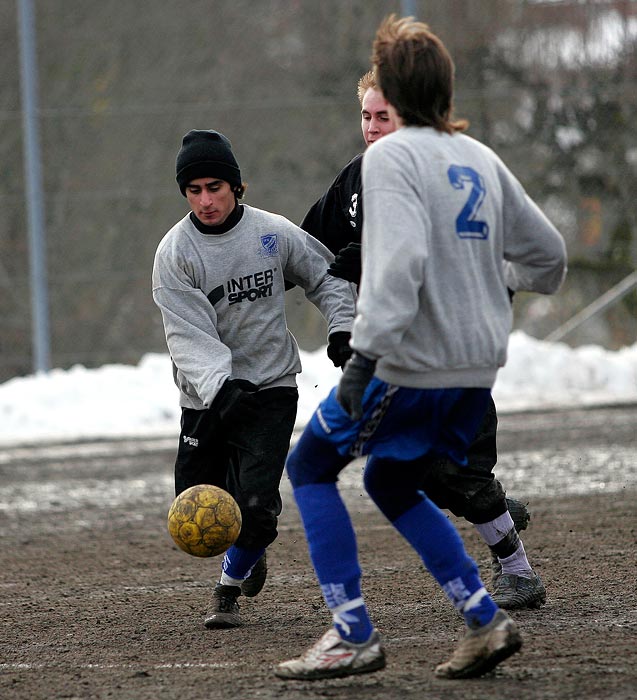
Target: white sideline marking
(138, 667)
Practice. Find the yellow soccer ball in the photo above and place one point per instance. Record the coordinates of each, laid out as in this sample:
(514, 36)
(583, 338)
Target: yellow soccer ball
(204, 520)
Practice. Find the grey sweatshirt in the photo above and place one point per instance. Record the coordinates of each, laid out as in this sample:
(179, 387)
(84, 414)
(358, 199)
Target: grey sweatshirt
(447, 228)
(222, 300)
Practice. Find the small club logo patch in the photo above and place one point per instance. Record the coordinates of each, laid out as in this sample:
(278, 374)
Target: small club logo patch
(269, 245)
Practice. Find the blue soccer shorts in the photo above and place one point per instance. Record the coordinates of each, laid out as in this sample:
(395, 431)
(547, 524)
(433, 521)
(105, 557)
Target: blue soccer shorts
(403, 423)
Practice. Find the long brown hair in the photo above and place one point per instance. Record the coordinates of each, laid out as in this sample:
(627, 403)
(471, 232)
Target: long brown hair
(415, 72)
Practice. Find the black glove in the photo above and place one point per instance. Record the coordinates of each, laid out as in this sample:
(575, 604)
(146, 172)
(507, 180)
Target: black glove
(234, 402)
(357, 374)
(347, 264)
(338, 349)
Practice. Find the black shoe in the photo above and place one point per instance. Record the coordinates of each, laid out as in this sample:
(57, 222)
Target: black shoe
(224, 611)
(254, 583)
(513, 592)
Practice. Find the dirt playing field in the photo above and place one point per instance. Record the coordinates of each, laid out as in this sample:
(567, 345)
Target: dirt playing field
(97, 602)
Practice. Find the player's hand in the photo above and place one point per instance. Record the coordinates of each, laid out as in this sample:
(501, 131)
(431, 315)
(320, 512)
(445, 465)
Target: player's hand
(347, 264)
(338, 348)
(234, 402)
(357, 374)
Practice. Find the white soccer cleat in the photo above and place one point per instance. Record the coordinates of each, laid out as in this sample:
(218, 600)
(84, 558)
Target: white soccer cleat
(334, 657)
(482, 649)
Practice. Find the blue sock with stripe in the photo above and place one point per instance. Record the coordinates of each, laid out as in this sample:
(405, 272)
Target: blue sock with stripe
(332, 545)
(238, 562)
(441, 549)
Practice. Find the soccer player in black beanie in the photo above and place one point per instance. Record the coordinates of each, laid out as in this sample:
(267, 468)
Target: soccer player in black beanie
(205, 152)
(218, 279)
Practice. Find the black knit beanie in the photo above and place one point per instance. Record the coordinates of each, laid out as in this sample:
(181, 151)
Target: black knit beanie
(206, 154)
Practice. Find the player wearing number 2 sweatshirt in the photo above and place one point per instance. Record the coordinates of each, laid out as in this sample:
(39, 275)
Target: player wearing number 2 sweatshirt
(447, 229)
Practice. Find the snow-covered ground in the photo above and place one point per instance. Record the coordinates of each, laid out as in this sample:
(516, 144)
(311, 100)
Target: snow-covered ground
(116, 401)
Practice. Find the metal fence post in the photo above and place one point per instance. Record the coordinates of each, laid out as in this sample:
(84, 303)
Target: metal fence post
(33, 188)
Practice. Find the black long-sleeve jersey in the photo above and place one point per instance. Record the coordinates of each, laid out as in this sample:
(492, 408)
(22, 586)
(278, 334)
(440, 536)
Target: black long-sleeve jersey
(336, 219)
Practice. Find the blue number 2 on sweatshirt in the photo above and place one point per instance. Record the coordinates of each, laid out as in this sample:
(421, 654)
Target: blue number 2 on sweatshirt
(467, 223)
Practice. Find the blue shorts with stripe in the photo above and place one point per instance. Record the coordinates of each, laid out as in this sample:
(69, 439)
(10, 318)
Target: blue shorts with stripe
(403, 423)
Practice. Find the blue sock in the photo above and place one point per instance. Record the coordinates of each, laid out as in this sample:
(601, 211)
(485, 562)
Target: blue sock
(442, 551)
(238, 561)
(349, 613)
(332, 544)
